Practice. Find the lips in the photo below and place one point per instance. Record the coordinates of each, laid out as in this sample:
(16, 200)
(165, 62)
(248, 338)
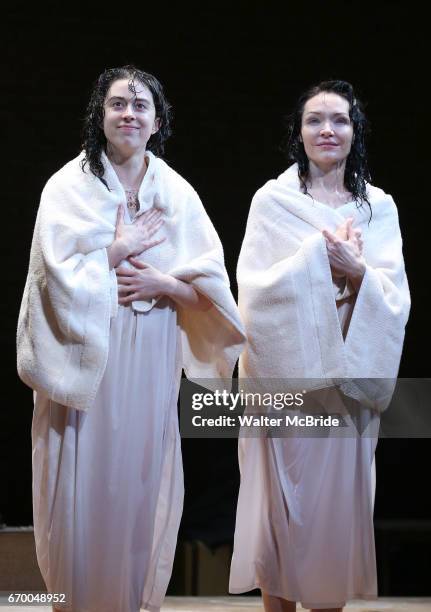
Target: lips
(128, 128)
(327, 144)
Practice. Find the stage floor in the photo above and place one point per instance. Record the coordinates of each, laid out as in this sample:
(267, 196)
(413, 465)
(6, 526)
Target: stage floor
(254, 604)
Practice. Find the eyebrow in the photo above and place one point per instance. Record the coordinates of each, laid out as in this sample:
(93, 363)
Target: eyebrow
(320, 113)
(136, 99)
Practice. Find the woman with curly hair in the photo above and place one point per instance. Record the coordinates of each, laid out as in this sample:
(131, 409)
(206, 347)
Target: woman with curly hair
(126, 287)
(325, 300)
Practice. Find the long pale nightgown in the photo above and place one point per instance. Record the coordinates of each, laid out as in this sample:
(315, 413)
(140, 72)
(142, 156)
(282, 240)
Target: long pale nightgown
(304, 527)
(108, 484)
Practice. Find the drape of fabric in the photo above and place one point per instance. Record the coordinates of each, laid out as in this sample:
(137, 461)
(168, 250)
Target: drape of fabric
(304, 528)
(108, 483)
(287, 298)
(70, 294)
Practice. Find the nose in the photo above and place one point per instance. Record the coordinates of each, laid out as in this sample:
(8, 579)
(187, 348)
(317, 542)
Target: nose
(129, 112)
(327, 129)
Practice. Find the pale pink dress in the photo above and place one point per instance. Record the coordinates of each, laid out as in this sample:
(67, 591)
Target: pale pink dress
(304, 526)
(108, 484)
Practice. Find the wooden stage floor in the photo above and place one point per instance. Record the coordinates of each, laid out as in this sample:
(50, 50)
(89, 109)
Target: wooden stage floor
(253, 604)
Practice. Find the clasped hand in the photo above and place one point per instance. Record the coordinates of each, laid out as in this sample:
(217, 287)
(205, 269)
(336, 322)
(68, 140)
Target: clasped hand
(143, 282)
(344, 248)
(134, 238)
(138, 236)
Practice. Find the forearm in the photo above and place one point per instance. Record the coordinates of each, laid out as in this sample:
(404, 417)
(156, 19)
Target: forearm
(356, 275)
(186, 295)
(117, 252)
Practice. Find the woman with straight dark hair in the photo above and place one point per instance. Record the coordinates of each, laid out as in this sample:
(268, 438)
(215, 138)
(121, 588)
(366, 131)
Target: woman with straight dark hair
(324, 297)
(126, 287)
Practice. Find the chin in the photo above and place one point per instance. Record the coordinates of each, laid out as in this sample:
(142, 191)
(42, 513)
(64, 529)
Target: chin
(330, 159)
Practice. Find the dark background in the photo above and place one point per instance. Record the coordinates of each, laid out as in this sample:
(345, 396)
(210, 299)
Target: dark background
(231, 72)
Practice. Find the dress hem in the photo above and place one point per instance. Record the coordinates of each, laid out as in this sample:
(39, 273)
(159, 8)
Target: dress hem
(304, 604)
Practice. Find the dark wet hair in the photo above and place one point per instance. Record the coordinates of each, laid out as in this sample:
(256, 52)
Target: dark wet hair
(356, 173)
(93, 137)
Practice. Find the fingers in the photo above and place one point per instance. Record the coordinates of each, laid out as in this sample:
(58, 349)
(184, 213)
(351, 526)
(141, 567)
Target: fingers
(352, 231)
(149, 217)
(355, 236)
(120, 216)
(125, 289)
(119, 221)
(138, 264)
(128, 298)
(154, 227)
(329, 237)
(349, 229)
(151, 243)
(125, 272)
(126, 286)
(345, 223)
(155, 242)
(150, 212)
(343, 227)
(345, 233)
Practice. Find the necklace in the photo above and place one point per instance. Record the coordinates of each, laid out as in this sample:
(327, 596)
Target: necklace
(132, 202)
(131, 192)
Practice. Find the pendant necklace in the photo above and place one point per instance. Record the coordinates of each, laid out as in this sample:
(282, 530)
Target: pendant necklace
(132, 201)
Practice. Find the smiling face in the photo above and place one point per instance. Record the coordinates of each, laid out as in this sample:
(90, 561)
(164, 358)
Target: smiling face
(326, 130)
(129, 118)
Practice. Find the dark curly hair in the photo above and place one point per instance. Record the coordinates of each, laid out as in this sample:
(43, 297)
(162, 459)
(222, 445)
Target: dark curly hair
(356, 173)
(93, 136)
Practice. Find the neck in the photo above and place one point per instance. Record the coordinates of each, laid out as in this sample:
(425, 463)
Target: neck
(330, 179)
(130, 169)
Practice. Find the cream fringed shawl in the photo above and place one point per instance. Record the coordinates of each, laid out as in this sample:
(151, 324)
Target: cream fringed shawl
(287, 299)
(71, 295)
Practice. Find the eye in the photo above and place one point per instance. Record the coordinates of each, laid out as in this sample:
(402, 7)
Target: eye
(343, 120)
(313, 121)
(140, 106)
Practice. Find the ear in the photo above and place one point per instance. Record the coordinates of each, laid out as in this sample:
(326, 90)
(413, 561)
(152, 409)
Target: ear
(156, 125)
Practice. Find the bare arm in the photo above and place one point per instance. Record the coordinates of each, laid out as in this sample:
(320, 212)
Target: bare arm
(146, 282)
(185, 295)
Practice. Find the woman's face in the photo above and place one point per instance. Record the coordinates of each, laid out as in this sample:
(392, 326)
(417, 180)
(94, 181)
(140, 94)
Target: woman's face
(326, 130)
(130, 119)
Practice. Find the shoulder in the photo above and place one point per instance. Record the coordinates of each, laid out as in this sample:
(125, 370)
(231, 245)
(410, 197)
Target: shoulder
(287, 181)
(263, 195)
(382, 203)
(176, 191)
(282, 188)
(172, 178)
(384, 218)
(70, 174)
